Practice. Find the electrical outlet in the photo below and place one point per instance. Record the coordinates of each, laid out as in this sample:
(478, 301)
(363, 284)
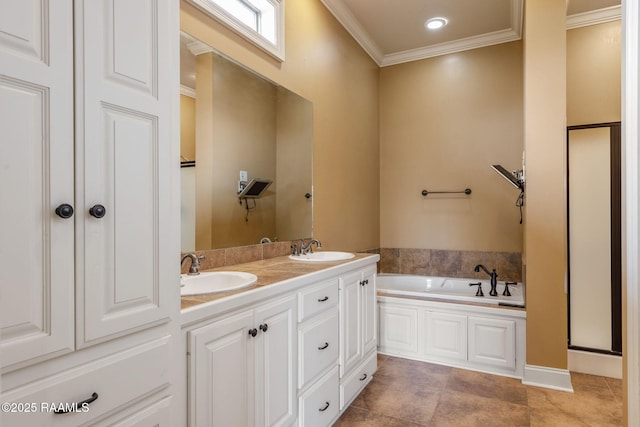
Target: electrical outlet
(244, 176)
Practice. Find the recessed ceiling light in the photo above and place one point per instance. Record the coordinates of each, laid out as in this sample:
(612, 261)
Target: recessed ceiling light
(435, 23)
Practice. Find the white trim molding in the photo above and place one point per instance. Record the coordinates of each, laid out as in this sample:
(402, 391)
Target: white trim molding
(542, 376)
(187, 91)
(594, 17)
(605, 365)
(353, 27)
(631, 203)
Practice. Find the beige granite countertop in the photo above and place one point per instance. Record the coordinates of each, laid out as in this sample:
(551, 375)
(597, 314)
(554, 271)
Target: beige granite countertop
(269, 271)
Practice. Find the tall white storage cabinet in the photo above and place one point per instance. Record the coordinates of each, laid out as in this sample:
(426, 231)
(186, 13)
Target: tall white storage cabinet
(88, 207)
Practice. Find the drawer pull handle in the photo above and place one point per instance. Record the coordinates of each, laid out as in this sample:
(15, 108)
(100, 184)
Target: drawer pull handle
(323, 299)
(364, 377)
(325, 407)
(253, 332)
(324, 346)
(78, 405)
(264, 327)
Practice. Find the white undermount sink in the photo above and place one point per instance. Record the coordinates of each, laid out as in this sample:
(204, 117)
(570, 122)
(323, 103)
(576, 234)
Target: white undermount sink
(323, 256)
(215, 281)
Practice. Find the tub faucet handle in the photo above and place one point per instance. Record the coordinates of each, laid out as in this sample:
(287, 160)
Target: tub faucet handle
(479, 292)
(506, 292)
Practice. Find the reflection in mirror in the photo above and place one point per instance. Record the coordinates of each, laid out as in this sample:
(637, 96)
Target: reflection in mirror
(237, 126)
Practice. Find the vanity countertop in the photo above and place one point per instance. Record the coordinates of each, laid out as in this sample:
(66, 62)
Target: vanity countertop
(269, 272)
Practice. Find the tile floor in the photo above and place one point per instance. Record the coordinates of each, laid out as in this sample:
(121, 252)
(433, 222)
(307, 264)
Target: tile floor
(407, 393)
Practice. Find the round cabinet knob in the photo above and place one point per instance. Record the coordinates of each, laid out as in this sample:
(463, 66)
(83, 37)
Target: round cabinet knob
(264, 327)
(307, 196)
(64, 211)
(253, 332)
(97, 211)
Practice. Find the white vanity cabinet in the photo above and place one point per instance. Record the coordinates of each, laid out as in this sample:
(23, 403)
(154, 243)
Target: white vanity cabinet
(289, 374)
(319, 348)
(243, 367)
(88, 266)
(358, 332)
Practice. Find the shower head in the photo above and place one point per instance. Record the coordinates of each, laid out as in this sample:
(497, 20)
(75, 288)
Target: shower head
(509, 176)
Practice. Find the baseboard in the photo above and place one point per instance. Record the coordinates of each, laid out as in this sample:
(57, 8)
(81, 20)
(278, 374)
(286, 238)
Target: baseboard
(542, 376)
(605, 365)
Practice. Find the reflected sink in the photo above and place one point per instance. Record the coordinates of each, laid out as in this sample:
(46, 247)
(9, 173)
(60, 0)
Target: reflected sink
(323, 256)
(215, 281)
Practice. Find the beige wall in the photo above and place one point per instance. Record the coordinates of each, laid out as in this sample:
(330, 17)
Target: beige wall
(237, 96)
(593, 74)
(443, 122)
(545, 149)
(187, 128)
(294, 157)
(326, 66)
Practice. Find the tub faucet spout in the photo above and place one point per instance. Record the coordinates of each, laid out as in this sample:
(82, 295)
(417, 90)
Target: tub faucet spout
(494, 278)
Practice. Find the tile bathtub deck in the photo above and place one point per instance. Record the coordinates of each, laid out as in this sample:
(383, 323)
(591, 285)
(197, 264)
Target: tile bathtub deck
(410, 393)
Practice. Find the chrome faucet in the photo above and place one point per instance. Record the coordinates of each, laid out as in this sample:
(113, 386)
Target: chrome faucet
(265, 240)
(494, 278)
(305, 248)
(194, 268)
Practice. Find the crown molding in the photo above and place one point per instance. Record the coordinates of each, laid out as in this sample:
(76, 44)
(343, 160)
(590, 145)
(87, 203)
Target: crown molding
(594, 17)
(187, 91)
(353, 27)
(460, 45)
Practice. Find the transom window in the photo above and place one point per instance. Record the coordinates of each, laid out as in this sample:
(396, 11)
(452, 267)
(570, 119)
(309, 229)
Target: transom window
(260, 21)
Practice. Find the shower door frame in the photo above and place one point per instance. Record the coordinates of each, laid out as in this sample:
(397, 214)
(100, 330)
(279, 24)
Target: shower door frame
(615, 171)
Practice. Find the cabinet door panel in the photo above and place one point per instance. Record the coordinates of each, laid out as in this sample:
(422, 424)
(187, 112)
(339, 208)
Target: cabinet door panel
(350, 322)
(276, 361)
(492, 342)
(398, 329)
(36, 176)
(369, 305)
(123, 131)
(446, 335)
(221, 388)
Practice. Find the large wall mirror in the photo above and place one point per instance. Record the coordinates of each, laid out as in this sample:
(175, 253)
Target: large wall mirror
(235, 122)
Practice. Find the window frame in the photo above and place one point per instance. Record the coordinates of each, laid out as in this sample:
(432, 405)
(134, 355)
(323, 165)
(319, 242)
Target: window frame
(225, 17)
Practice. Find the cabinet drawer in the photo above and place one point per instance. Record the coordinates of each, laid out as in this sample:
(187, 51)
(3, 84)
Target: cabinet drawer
(319, 346)
(119, 380)
(319, 405)
(357, 379)
(316, 299)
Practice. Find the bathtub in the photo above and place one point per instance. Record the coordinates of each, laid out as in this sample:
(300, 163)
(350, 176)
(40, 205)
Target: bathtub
(447, 288)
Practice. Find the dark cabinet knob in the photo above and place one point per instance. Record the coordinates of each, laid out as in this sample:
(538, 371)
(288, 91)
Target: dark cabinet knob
(64, 211)
(307, 196)
(97, 211)
(264, 327)
(253, 332)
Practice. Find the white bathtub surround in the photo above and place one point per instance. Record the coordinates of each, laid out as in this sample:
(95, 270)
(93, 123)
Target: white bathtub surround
(449, 289)
(543, 376)
(587, 362)
(481, 338)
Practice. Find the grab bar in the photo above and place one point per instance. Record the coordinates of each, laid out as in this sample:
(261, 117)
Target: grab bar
(466, 191)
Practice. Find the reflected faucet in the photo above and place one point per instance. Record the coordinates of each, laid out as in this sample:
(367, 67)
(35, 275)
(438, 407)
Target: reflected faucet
(265, 240)
(494, 278)
(194, 268)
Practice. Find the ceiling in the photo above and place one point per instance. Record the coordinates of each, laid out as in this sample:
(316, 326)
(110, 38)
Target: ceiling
(393, 32)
